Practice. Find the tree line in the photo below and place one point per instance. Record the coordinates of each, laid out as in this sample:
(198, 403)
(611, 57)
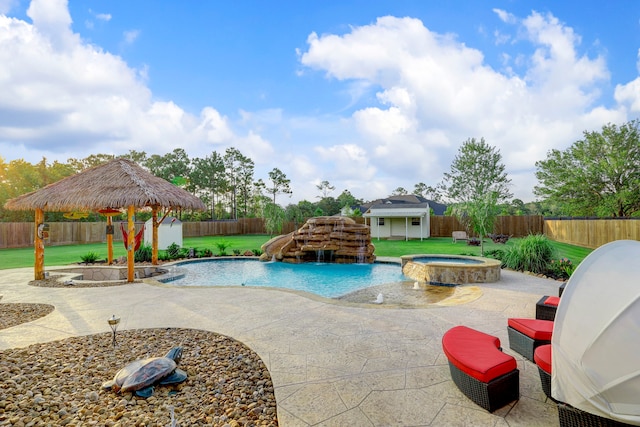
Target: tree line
(597, 176)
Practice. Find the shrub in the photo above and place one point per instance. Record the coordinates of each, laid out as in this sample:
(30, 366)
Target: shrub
(499, 238)
(163, 256)
(236, 252)
(205, 253)
(256, 252)
(561, 269)
(533, 253)
(495, 254)
(222, 247)
(173, 250)
(473, 241)
(143, 254)
(90, 258)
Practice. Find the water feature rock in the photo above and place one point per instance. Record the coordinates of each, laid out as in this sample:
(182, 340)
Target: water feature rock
(323, 239)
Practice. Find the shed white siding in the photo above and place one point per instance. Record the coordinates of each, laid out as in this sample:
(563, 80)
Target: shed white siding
(169, 231)
(401, 222)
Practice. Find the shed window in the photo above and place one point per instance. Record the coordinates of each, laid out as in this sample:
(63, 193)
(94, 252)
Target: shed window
(380, 221)
(415, 221)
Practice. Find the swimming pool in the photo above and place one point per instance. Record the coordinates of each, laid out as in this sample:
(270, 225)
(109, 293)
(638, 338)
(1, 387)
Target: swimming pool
(326, 280)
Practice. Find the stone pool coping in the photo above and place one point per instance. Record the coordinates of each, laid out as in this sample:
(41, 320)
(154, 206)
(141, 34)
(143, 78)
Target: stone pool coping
(451, 274)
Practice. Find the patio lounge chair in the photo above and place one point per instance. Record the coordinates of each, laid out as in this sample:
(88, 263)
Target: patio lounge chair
(480, 369)
(567, 414)
(527, 334)
(546, 307)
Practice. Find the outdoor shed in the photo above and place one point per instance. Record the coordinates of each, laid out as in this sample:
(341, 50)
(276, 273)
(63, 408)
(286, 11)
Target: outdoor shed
(169, 231)
(405, 221)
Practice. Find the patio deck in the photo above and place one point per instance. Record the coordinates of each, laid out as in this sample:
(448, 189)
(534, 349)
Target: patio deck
(331, 364)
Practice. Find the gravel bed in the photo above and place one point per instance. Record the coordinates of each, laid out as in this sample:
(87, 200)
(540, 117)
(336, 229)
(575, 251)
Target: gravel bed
(18, 313)
(60, 383)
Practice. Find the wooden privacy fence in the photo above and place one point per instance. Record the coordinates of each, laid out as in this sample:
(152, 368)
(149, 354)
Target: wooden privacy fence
(514, 226)
(20, 234)
(592, 233)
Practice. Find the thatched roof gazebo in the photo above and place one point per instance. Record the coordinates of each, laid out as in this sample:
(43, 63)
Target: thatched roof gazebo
(118, 184)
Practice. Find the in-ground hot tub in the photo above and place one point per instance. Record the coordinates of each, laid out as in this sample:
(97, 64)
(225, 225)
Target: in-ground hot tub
(450, 270)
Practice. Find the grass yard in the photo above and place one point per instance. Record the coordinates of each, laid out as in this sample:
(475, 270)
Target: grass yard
(63, 255)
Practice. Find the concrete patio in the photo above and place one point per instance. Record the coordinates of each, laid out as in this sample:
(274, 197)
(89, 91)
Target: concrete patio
(331, 364)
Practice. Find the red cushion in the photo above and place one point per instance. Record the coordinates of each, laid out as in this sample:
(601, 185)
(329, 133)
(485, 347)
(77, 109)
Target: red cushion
(552, 301)
(477, 354)
(533, 328)
(542, 357)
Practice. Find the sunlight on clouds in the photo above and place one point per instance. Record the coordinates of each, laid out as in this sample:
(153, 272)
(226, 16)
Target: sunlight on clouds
(349, 161)
(60, 95)
(214, 126)
(382, 124)
(430, 81)
(629, 94)
(254, 146)
(52, 19)
(64, 97)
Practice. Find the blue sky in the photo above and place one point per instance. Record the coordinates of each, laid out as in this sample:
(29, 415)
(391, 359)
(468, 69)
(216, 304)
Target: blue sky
(368, 95)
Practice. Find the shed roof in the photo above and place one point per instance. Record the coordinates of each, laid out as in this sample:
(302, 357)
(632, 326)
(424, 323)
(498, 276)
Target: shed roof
(403, 210)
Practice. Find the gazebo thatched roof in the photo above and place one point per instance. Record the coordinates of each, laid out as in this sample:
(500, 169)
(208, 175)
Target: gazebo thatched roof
(117, 184)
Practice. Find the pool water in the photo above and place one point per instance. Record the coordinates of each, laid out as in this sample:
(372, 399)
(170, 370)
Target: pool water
(327, 280)
(449, 260)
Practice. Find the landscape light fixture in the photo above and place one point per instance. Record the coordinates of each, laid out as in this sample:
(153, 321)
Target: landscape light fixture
(113, 324)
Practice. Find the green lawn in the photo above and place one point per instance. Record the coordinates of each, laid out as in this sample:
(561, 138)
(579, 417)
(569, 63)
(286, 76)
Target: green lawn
(63, 255)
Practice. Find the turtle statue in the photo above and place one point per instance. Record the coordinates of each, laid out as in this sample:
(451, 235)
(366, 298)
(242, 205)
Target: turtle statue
(141, 375)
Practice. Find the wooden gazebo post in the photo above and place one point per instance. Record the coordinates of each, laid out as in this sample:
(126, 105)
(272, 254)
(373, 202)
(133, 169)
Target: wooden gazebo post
(154, 238)
(38, 243)
(131, 210)
(109, 240)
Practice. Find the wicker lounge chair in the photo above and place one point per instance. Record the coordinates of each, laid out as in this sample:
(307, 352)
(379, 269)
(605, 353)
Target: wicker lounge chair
(542, 357)
(480, 369)
(567, 414)
(573, 417)
(546, 307)
(527, 334)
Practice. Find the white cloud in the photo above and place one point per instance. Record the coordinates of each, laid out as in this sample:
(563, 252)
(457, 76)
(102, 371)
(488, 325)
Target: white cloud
(431, 84)
(505, 16)
(7, 5)
(103, 16)
(130, 36)
(51, 18)
(62, 98)
(629, 94)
